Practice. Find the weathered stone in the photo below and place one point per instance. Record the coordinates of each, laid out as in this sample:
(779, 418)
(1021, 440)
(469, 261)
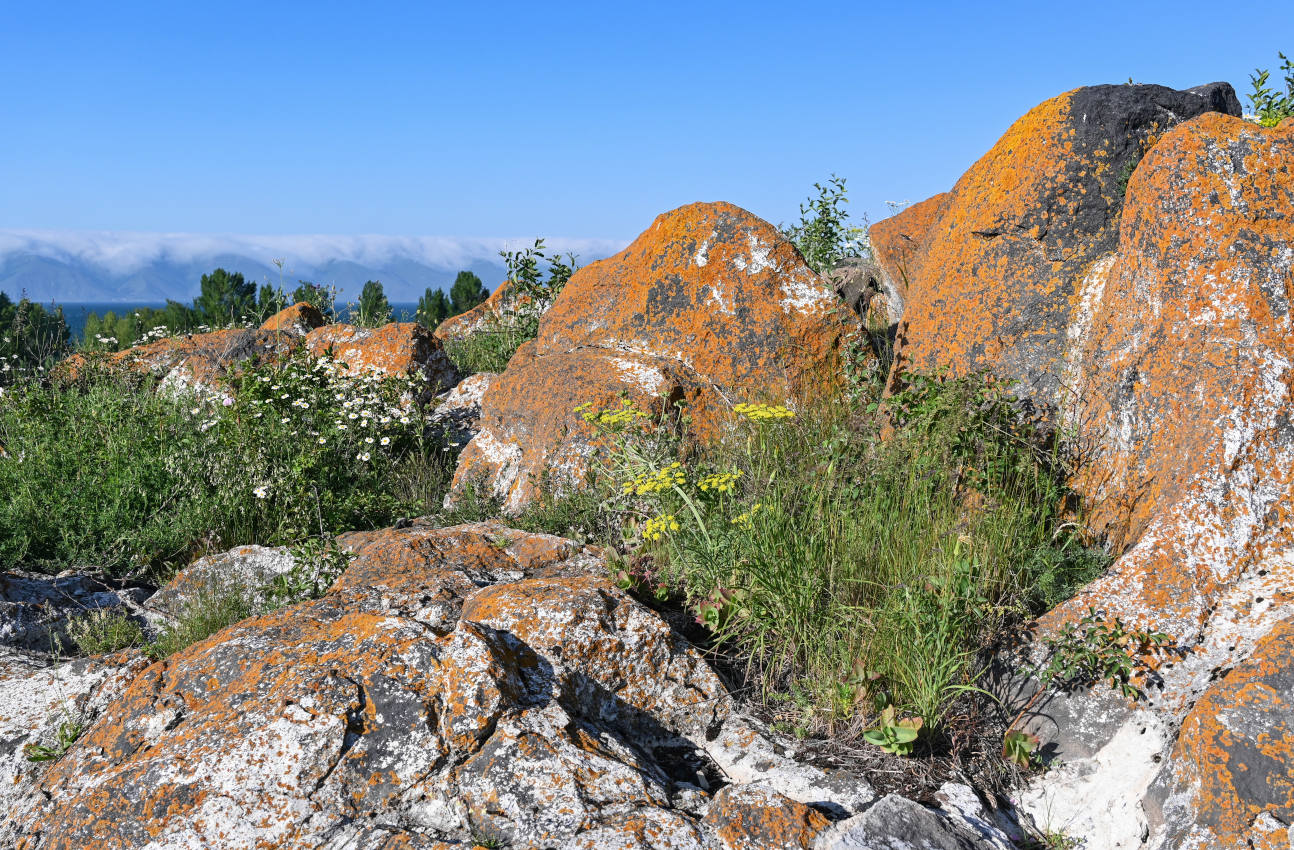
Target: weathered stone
(700, 308)
(243, 569)
(531, 440)
(1178, 384)
(38, 699)
(35, 608)
(496, 310)
(1232, 761)
(297, 319)
(395, 349)
(744, 816)
(458, 411)
(896, 823)
(987, 273)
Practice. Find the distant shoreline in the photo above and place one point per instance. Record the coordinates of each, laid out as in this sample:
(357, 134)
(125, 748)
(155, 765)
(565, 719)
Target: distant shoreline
(77, 312)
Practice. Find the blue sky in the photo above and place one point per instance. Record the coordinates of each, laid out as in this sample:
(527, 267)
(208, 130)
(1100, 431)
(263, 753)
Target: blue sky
(576, 120)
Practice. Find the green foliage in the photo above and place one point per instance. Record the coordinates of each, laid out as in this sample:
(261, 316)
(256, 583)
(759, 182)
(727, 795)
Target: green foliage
(317, 563)
(805, 542)
(1270, 105)
(269, 301)
(322, 298)
(32, 338)
(112, 473)
(824, 235)
(111, 332)
(894, 734)
(104, 630)
(208, 612)
(433, 308)
(530, 293)
(226, 298)
(1097, 650)
(466, 293)
(64, 737)
(1020, 748)
(373, 310)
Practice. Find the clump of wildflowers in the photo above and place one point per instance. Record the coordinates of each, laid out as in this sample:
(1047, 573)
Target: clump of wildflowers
(746, 518)
(719, 482)
(657, 528)
(612, 417)
(656, 482)
(763, 412)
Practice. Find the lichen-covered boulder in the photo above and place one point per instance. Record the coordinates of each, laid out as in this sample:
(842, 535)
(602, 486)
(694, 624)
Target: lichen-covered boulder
(395, 349)
(503, 305)
(896, 822)
(742, 816)
(988, 272)
(1232, 782)
(243, 569)
(42, 702)
(298, 319)
(709, 305)
(457, 412)
(455, 684)
(35, 609)
(1178, 386)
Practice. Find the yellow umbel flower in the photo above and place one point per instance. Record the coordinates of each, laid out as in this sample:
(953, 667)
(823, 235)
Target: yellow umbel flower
(720, 482)
(656, 482)
(763, 412)
(659, 527)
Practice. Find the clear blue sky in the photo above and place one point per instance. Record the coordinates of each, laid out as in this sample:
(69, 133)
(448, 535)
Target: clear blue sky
(581, 120)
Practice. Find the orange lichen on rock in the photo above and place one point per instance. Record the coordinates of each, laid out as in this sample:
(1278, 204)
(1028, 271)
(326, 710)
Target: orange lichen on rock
(396, 348)
(1181, 381)
(744, 816)
(492, 310)
(991, 268)
(709, 305)
(299, 319)
(1233, 756)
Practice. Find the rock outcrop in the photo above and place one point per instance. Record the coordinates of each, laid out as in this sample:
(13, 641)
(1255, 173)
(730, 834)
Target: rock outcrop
(986, 274)
(454, 685)
(394, 349)
(298, 319)
(1181, 371)
(709, 306)
(35, 609)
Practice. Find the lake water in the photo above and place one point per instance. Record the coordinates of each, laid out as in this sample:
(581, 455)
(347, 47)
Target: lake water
(77, 313)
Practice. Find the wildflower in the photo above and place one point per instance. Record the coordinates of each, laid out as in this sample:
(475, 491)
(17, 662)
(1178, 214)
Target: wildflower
(227, 402)
(722, 482)
(261, 492)
(323, 440)
(341, 426)
(352, 415)
(744, 520)
(659, 527)
(656, 482)
(763, 412)
(404, 420)
(386, 441)
(368, 440)
(283, 421)
(362, 456)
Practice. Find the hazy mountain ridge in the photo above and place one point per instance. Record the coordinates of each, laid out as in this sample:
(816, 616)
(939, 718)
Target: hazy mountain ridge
(136, 267)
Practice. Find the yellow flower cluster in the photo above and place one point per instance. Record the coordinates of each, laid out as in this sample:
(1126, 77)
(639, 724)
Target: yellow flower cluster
(763, 412)
(657, 528)
(744, 520)
(611, 417)
(656, 482)
(720, 482)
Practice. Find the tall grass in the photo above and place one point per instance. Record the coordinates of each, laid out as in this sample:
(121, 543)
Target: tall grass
(858, 557)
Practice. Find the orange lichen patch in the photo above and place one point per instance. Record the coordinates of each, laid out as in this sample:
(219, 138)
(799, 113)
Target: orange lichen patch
(196, 361)
(744, 816)
(1182, 391)
(992, 268)
(714, 287)
(898, 243)
(492, 309)
(709, 303)
(1235, 749)
(299, 319)
(532, 441)
(397, 348)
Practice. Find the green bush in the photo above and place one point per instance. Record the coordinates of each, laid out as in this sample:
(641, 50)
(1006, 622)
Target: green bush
(112, 473)
(824, 235)
(1272, 106)
(207, 613)
(860, 560)
(104, 630)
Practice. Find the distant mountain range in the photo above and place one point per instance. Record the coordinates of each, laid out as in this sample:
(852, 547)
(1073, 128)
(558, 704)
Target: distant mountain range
(100, 266)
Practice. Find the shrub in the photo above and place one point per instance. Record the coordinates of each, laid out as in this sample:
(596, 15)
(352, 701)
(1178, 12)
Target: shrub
(111, 473)
(824, 235)
(861, 576)
(1271, 106)
(104, 630)
(210, 611)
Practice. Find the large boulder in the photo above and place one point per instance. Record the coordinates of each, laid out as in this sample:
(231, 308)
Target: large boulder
(298, 319)
(709, 305)
(460, 684)
(986, 274)
(36, 609)
(1178, 387)
(392, 350)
